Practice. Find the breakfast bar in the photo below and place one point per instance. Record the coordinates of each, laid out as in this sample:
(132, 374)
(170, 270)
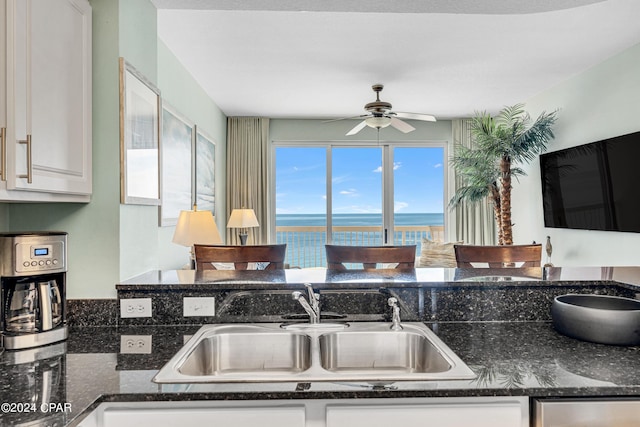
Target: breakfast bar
(499, 325)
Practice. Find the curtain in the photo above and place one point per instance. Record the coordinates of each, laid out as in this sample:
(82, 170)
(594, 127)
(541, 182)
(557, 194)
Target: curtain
(248, 174)
(475, 222)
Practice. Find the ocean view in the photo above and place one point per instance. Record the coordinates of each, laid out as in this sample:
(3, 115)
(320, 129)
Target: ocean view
(363, 219)
(305, 243)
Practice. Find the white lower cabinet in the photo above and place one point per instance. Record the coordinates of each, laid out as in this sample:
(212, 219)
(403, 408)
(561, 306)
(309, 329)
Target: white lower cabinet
(442, 412)
(407, 412)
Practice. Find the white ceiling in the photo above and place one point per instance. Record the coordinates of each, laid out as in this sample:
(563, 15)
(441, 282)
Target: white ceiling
(318, 59)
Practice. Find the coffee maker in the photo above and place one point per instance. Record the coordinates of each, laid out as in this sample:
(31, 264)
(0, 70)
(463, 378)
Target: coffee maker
(33, 270)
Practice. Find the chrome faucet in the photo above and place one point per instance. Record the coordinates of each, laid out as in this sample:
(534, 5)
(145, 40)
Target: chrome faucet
(395, 319)
(312, 308)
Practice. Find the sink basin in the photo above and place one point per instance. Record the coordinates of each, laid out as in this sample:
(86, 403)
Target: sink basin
(601, 319)
(248, 352)
(233, 353)
(272, 352)
(380, 351)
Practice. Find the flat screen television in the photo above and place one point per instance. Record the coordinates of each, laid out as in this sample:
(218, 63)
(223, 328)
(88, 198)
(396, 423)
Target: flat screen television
(593, 186)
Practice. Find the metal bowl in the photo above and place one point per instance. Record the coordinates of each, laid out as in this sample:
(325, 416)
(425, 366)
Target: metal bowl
(601, 319)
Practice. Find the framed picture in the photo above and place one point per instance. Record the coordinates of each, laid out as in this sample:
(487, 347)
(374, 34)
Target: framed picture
(205, 172)
(176, 170)
(139, 138)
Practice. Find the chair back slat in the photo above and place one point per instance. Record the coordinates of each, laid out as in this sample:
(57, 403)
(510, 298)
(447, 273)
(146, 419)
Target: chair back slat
(370, 256)
(240, 256)
(498, 256)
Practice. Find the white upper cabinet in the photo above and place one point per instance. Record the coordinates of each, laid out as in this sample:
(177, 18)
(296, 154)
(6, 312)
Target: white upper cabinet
(47, 116)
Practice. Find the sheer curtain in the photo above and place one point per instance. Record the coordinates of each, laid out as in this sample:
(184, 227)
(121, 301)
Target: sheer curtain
(475, 223)
(248, 174)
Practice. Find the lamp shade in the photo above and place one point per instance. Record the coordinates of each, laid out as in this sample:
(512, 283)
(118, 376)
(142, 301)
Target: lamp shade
(196, 227)
(242, 218)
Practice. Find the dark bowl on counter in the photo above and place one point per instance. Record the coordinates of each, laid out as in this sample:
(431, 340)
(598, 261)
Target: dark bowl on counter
(601, 319)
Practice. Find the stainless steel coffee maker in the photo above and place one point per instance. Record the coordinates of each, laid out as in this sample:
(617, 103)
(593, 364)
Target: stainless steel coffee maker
(33, 270)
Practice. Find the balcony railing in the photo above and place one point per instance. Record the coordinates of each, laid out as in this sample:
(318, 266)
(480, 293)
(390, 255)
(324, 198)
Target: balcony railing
(305, 244)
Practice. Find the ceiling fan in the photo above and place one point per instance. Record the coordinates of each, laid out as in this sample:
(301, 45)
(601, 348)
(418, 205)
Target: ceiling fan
(379, 115)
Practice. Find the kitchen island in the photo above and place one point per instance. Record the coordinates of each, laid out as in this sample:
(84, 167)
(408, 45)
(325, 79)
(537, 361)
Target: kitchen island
(499, 327)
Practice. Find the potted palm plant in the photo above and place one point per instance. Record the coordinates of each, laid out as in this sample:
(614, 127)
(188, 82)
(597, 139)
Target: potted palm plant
(501, 144)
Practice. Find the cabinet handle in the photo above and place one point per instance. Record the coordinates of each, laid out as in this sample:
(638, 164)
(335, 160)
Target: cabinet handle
(3, 153)
(29, 174)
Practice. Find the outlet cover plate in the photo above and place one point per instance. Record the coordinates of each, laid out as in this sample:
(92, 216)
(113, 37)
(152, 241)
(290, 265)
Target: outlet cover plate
(199, 306)
(135, 344)
(135, 307)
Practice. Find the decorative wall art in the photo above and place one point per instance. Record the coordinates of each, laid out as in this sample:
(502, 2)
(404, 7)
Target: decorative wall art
(177, 165)
(205, 172)
(139, 138)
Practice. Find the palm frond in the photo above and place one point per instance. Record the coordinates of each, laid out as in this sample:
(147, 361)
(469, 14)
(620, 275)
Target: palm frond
(533, 141)
(471, 194)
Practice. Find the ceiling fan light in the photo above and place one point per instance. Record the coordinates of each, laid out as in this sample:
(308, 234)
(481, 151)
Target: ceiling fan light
(378, 122)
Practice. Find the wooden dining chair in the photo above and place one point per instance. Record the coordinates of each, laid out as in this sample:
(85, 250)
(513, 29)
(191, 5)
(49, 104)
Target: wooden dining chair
(468, 256)
(370, 256)
(240, 256)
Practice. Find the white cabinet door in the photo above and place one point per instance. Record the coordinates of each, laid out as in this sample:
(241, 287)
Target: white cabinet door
(171, 414)
(49, 53)
(431, 412)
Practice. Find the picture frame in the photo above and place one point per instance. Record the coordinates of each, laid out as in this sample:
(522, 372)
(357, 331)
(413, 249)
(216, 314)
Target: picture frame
(139, 137)
(178, 139)
(205, 190)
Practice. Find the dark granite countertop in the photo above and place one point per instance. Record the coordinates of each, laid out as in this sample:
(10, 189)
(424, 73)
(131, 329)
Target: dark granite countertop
(418, 277)
(497, 323)
(510, 358)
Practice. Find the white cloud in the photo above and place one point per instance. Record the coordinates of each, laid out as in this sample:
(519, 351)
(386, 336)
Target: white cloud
(396, 166)
(349, 192)
(398, 206)
(437, 165)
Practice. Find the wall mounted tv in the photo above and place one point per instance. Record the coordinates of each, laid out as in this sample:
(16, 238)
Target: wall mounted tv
(594, 186)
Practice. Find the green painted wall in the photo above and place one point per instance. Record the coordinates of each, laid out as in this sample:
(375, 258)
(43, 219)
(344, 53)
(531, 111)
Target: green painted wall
(184, 94)
(138, 223)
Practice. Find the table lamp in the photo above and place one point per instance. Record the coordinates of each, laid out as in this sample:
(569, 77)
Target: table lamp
(196, 227)
(242, 219)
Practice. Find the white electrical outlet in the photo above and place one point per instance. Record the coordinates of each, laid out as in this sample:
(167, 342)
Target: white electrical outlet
(135, 307)
(135, 344)
(199, 306)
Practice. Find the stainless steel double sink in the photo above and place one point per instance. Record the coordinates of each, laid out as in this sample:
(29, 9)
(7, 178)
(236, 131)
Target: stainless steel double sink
(272, 352)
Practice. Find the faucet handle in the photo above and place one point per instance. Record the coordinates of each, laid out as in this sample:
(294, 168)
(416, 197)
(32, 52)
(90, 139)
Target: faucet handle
(314, 298)
(311, 292)
(395, 316)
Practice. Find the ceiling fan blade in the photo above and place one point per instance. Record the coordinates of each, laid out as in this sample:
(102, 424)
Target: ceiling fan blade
(401, 126)
(416, 116)
(358, 128)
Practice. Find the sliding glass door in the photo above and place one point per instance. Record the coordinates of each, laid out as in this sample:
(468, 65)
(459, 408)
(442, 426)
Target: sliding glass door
(356, 196)
(388, 194)
(301, 204)
(418, 194)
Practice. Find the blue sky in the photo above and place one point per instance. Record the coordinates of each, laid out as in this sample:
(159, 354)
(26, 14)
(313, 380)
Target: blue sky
(357, 180)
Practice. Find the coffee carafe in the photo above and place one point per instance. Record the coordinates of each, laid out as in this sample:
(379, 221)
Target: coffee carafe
(33, 307)
(33, 274)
